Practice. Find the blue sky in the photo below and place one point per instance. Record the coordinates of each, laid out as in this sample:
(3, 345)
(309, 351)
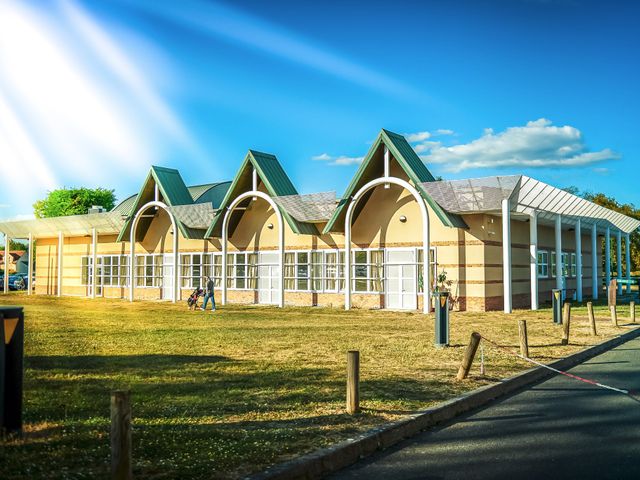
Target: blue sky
(92, 93)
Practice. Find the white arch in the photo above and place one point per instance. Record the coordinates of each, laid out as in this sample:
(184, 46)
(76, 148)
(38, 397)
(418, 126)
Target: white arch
(132, 254)
(225, 238)
(426, 301)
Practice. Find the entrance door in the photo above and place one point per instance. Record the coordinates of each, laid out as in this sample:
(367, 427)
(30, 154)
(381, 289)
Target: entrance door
(401, 279)
(268, 278)
(167, 277)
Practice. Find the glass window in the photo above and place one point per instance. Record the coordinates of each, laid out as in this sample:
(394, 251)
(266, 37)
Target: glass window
(376, 268)
(331, 271)
(302, 270)
(316, 271)
(289, 271)
(543, 264)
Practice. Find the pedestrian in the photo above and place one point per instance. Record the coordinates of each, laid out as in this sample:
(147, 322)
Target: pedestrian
(208, 294)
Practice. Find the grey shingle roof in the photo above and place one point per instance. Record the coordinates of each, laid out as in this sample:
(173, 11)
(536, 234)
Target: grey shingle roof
(311, 208)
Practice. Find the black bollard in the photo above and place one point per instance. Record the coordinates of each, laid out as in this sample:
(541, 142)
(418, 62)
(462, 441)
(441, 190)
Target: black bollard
(442, 318)
(11, 368)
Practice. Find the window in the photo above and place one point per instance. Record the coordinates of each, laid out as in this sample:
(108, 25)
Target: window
(573, 268)
(433, 268)
(316, 271)
(148, 271)
(567, 262)
(112, 270)
(368, 270)
(302, 271)
(242, 270)
(543, 264)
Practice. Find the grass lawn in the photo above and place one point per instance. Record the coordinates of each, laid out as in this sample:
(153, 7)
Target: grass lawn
(223, 395)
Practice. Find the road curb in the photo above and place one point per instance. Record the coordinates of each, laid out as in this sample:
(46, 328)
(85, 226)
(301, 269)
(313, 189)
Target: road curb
(331, 459)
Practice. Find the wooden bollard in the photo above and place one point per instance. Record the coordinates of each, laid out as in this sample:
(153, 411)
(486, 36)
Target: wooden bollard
(524, 341)
(566, 322)
(632, 311)
(353, 382)
(592, 318)
(614, 315)
(121, 468)
(469, 354)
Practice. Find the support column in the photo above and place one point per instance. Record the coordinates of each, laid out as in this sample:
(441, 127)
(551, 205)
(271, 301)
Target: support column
(607, 257)
(533, 259)
(94, 262)
(30, 266)
(176, 266)
(60, 253)
(558, 232)
(627, 255)
(506, 255)
(594, 262)
(223, 286)
(5, 286)
(579, 260)
(619, 259)
(347, 260)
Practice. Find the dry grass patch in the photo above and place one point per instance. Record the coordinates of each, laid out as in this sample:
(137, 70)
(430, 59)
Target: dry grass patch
(227, 394)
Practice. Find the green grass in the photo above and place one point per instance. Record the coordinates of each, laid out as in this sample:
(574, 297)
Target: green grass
(225, 395)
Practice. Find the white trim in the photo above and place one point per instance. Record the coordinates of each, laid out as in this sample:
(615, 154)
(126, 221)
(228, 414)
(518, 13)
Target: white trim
(425, 236)
(533, 260)
(627, 255)
(94, 259)
(619, 259)
(60, 263)
(5, 282)
(506, 256)
(30, 266)
(558, 246)
(132, 246)
(594, 262)
(578, 260)
(607, 257)
(225, 238)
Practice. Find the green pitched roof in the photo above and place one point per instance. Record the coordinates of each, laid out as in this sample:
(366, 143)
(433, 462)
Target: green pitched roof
(276, 182)
(409, 161)
(173, 190)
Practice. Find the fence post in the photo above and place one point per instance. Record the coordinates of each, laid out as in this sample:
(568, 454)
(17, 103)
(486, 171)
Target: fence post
(614, 315)
(632, 311)
(566, 323)
(524, 340)
(469, 353)
(353, 382)
(592, 318)
(121, 468)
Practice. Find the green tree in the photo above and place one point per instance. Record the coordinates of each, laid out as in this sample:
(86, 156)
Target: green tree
(14, 245)
(73, 201)
(631, 211)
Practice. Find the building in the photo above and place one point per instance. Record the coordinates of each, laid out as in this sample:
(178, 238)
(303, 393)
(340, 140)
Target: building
(10, 263)
(503, 241)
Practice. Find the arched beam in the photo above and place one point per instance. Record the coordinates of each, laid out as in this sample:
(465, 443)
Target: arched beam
(225, 239)
(426, 301)
(176, 254)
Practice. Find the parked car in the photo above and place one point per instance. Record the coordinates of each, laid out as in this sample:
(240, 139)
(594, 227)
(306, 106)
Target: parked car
(18, 282)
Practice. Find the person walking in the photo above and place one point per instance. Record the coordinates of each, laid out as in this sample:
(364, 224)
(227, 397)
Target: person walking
(208, 294)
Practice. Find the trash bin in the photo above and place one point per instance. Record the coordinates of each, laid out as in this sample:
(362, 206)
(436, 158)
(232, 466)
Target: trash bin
(11, 368)
(442, 318)
(556, 305)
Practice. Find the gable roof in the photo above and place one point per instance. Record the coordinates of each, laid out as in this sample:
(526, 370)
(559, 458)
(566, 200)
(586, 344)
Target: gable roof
(409, 161)
(276, 183)
(173, 190)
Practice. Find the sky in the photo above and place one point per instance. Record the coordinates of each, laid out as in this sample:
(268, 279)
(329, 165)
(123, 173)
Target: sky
(93, 93)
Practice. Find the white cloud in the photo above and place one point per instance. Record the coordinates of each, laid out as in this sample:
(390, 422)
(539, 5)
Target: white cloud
(417, 137)
(341, 160)
(535, 145)
(444, 131)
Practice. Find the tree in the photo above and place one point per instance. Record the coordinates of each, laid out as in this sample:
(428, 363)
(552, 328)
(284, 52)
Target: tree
(73, 201)
(14, 245)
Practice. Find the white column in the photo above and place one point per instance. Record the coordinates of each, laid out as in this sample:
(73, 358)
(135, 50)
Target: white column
(30, 266)
(176, 265)
(506, 255)
(533, 259)
(347, 258)
(7, 241)
(60, 253)
(607, 257)
(94, 262)
(619, 259)
(579, 260)
(594, 262)
(558, 232)
(223, 287)
(627, 255)
(132, 258)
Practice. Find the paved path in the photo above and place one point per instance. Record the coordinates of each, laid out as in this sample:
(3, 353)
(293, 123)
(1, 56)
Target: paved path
(560, 428)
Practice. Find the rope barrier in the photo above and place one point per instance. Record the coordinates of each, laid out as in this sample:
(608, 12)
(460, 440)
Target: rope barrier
(566, 374)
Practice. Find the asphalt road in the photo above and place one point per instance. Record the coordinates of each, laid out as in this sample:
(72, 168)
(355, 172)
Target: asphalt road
(560, 428)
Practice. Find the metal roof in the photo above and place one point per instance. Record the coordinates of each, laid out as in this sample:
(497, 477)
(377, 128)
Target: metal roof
(526, 195)
(70, 226)
(409, 161)
(276, 183)
(311, 208)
